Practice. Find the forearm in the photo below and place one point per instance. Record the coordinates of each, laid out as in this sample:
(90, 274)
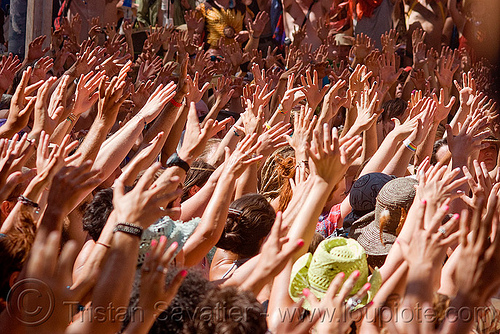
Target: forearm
(425, 149)
(175, 134)
(62, 130)
(117, 148)
(383, 155)
(253, 43)
(164, 121)
(370, 141)
(196, 205)
(92, 142)
(120, 267)
(247, 183)
(212, 222)
(398, 165)
(305, 222)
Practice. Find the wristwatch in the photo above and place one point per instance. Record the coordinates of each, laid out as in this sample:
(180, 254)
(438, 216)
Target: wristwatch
(175, 160)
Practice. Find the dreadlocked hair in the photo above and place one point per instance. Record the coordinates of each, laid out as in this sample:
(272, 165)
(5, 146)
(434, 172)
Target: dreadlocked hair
(286, 171)
(270, 179)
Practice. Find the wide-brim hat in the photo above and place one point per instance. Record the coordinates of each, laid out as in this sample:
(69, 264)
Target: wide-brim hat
(393, 202)
(333, 256)
(363, 195)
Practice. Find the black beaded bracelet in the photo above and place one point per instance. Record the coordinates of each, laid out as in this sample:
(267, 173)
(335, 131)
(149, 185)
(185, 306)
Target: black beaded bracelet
(26, 201)
(128, 228)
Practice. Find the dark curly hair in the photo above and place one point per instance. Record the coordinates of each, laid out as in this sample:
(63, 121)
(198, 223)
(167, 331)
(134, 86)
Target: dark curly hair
(249, 221)
(97, 213)
(228, 310)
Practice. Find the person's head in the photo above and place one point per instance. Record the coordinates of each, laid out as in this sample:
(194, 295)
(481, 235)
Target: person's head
(229, 310)
(181, 309)
(271, 179)
(286, 169)
(7, 205)
(440, 152)
(210, 149)
(97, 213)
(248, 223)
(489, 154)
(14, 250)
(196, 177)
(391, 109)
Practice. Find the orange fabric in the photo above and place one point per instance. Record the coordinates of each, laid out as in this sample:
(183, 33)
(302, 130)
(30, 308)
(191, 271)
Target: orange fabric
(365, 7)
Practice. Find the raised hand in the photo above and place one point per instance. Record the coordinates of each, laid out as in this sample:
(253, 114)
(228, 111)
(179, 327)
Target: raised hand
(367, 113)
(417, 36)
(47, 116)
(469, 138)
(257, 26)
(144, 204)
(467, 91)
(330, 160)
(311, 88)
(273, 138)
(447, 68)
(389, 72)
(223, 91)
(194, 94)
(303, 125)
(358, 80)
(243, 156)
(86, 92)
(41, 68)
(196, 136)
(443, 109)
(36, 50)
(362, 47)
(155, 297)
(480, 185)
(20, 106)
(8, 69)
(157, 102)
(389, 40)
(148, 69)
(111, 98)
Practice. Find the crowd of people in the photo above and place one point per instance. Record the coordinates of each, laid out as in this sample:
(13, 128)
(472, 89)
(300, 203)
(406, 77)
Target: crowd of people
(254, 167)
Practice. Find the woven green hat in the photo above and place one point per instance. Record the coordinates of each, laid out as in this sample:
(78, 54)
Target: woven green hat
(332, 256)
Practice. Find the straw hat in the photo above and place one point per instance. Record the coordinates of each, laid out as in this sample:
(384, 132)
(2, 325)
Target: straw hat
(333, 256)
(377, 231)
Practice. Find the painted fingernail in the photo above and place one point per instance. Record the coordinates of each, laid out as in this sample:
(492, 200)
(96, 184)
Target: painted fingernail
(342, 275)
(154, 242)
(175, 244)
(163, 238)
(300, 243)
(446, 208)
(370, 303)
(184, 273)
(356, 273)
(424, 201)
(306, 292)
(456, 216)
(367, 286)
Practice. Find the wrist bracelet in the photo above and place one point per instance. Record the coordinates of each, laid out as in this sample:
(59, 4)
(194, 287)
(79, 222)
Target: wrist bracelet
(267, 125)
(409, 145)
(100, 243)
(71, 118)
(26, 201)
(175, 103)
(280, 109)
(128, 228)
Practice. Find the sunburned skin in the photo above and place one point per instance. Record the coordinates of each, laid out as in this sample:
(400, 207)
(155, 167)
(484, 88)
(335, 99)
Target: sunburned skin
(428, 15)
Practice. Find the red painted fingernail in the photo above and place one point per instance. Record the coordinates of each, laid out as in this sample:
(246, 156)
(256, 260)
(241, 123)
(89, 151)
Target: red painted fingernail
(163, 238)
(356, 273)
(306, 292)
(370, 303)
(424, 201)
(446, 208)
(300, 243)
(154, 242)
(342, 274)
(175, 244)
(367, 286)
(184, 273)
(456, 216)
(397, 240)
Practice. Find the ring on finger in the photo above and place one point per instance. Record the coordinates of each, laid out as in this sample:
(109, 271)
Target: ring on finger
(442, 230)
(145, 269)
(352, 303)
